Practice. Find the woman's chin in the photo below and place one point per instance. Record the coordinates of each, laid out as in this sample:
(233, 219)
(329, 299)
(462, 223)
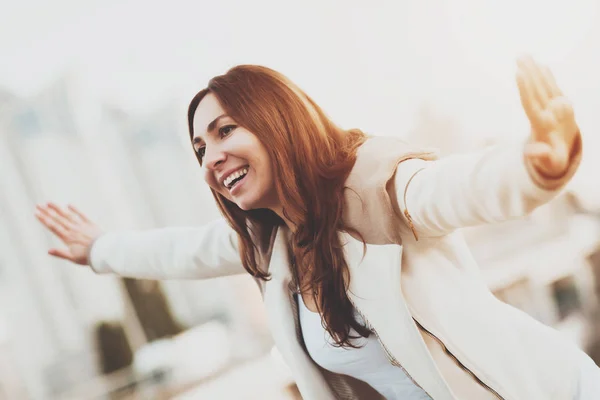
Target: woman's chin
(247, 204)
(244, 205)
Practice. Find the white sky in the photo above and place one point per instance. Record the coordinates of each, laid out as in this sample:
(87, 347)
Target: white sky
(361, 60)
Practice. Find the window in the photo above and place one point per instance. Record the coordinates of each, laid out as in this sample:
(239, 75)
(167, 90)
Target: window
(26, 122)
(566, 296)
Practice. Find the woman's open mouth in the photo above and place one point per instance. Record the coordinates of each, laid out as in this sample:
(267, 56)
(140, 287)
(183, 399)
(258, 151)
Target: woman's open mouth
(235, 179)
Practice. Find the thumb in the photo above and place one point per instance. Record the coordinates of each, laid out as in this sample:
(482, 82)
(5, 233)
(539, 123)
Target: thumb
(551, 161)
(64, 254)
(539, 151)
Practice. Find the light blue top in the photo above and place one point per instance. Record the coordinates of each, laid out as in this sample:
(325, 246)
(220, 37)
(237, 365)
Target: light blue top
(368, 363)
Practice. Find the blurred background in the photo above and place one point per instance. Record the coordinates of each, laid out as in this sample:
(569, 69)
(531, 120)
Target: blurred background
(93, 101)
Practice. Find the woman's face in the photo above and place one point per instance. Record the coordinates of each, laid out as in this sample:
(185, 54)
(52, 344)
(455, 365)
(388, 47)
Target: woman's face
(235, 163)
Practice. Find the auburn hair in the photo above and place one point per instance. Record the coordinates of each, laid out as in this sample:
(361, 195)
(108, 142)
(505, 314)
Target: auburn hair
(311, 158)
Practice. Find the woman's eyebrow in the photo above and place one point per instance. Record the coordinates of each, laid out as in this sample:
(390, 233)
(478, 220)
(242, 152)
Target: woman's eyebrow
(211, 127)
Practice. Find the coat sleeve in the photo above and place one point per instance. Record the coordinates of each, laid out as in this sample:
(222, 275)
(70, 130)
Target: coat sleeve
(492, 185)
(201, 252)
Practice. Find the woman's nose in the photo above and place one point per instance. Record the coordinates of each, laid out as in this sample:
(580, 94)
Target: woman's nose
(213, 158)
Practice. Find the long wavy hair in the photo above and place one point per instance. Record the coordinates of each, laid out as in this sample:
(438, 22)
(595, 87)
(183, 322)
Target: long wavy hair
(311, 159)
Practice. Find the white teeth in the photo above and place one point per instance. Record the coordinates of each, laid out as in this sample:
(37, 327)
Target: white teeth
(234, 175)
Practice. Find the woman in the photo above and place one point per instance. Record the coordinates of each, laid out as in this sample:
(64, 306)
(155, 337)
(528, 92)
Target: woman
(317, 215)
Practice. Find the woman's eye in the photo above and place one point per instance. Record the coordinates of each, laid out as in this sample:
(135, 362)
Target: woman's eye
(226, 130)
(200, 152)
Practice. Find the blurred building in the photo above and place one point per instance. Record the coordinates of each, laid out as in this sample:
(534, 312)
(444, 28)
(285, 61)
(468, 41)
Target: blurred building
(543, 265)
(125, 173)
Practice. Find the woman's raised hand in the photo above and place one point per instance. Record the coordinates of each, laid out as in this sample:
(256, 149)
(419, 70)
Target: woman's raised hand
(71, 226)
(553, 126)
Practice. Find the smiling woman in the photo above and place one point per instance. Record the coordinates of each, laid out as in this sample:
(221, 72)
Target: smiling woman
(230, 156)
(241, 127)
(354, 242)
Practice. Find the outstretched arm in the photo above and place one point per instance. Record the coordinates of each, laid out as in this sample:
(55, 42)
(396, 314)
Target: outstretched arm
(496, 184)
(201, 252)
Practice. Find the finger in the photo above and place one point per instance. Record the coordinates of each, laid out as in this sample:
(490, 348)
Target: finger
(43, 215)
(543, 94)
(39, 210)
(528, 102)
(46, 212)
(60, 253)
(562, 109)
(535, 77)
(550, 82)
(55, 228)
(58, 210)
(52, 215)
(78, 213)
(540, 79)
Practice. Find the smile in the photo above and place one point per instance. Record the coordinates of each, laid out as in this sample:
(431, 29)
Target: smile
(230, 181)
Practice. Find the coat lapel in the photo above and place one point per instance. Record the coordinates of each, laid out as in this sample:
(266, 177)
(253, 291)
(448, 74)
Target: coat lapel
(375, 291)
(282, 312)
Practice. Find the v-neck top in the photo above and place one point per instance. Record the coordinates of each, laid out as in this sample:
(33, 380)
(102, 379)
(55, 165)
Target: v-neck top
(367, 363)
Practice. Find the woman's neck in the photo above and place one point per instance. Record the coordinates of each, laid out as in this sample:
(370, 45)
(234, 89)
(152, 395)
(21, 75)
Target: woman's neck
(279, 211)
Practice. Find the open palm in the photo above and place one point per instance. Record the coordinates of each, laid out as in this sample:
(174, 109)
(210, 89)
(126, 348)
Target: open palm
(72, 227)
(553, 126)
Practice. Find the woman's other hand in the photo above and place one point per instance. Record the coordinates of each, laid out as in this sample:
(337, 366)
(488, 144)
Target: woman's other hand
(72, 227)
(553, 126)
